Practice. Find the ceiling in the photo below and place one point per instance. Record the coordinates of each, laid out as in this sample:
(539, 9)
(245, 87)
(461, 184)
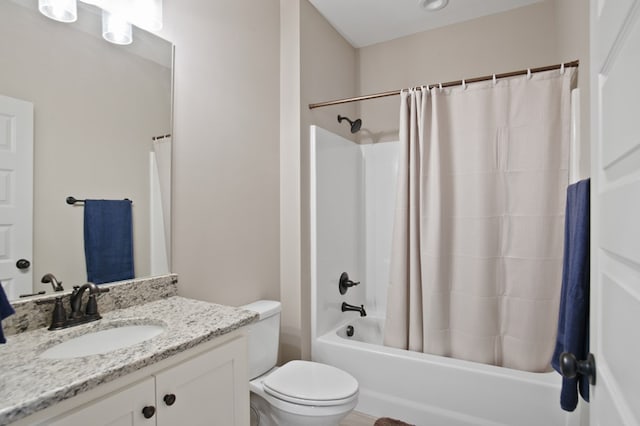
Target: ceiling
(366, 22)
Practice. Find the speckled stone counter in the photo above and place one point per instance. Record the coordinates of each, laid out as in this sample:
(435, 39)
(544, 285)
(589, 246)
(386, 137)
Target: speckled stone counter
(29, 383)
(35, 312)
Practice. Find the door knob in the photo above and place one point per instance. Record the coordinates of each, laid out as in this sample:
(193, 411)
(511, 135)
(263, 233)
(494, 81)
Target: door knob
(570, 367)
(23, 264)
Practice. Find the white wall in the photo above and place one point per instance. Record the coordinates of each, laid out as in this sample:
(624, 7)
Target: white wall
(225, 239)
(353, 190)
(381, 176)
(338, 225)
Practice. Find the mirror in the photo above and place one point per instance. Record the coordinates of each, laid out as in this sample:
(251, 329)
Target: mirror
(96, 107)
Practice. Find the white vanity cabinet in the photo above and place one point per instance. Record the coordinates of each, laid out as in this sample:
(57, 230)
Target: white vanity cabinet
(202, 386)
(205, 390)
(121, 408)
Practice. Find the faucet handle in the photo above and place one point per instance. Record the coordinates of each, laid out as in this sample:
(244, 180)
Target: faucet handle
(344, 283)
(92, 303)
(103, 289)
(92, 306)
(59, 316)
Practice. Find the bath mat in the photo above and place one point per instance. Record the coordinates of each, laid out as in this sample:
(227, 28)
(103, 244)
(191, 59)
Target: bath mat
(387, 421)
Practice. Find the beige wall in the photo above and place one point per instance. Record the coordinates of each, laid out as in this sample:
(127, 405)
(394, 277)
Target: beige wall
(317, 63)
(290, 124)
(226, 160)
(517, 39)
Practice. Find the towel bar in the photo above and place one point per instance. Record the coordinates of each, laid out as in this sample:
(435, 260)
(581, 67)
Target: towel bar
(72, 200)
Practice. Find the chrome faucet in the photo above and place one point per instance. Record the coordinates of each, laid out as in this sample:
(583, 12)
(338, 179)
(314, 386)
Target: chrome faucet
(50, 278)
(347, 307)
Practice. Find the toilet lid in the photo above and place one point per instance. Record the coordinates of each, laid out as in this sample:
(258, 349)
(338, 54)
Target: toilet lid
(311, 383)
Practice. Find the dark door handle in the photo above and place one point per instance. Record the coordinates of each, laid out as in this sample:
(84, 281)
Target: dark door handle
(148, 411)
(169, 399)
(23, 264)
(570, 367)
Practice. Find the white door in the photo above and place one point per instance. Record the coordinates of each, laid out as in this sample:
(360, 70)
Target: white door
(615, 212)
(16, 195)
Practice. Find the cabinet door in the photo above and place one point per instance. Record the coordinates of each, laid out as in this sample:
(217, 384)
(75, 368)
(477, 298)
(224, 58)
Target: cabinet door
(123, 408)
(210, 389)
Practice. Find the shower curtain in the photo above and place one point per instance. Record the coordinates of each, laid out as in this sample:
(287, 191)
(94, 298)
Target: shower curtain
(478, 231)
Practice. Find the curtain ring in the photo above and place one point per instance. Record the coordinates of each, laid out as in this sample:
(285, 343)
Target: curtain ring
(464, 85)
(562, 68)
(528, 73)
(440, 86)
(495, 81)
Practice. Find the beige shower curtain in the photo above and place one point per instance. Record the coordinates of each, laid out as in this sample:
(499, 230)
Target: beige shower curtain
(478, 234)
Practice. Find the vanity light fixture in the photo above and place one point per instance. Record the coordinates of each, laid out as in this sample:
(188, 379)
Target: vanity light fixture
(118, 16)
(59, 10)
(433, 5)
(145, 14)
(116, 29)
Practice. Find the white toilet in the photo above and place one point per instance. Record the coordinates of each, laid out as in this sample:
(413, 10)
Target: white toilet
(299, 393)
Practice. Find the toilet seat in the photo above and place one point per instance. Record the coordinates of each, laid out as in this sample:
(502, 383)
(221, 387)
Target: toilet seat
(312, 384)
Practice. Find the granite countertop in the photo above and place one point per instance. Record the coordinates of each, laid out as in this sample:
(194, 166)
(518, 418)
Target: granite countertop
(29, 383)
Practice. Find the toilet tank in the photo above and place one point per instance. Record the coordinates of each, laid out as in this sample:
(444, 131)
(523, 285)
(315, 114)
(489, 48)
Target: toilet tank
(263, 336)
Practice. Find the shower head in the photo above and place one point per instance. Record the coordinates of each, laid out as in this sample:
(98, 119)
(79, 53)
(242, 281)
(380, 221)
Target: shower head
(355, 125)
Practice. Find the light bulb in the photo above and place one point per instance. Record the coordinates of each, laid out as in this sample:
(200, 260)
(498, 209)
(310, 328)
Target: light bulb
(115, 29)
(433, 5)
(59, 10)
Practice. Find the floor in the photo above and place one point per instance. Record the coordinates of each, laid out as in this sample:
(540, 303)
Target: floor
(357, 419)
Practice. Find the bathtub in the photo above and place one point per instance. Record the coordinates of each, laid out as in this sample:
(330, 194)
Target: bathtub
(431, 390)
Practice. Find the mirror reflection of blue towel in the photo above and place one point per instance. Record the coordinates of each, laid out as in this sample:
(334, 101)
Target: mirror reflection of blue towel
(573, 320)
(5, 310)
(108, 240)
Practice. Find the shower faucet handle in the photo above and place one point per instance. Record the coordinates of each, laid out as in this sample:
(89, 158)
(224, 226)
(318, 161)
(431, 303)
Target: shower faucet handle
(344, 283)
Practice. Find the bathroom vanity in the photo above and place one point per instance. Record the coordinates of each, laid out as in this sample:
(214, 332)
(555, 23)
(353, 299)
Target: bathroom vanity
(193, 372)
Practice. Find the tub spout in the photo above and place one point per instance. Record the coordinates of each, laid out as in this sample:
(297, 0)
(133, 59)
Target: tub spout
(347, 307)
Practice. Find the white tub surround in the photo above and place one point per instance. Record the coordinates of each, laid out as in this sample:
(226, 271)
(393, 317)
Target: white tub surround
(30, 383)
(425, 389)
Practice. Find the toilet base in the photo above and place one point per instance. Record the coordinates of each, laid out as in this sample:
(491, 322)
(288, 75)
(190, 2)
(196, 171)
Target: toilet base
(268, 415)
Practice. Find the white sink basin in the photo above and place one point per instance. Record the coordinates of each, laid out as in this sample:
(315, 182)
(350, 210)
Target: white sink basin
(103, 341)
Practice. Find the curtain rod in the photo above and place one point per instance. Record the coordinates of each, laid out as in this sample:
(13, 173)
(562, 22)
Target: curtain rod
(449, 84)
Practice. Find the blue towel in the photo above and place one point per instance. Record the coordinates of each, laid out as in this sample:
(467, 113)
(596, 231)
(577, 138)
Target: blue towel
(573, 320)
(5, 310)
(108, 240)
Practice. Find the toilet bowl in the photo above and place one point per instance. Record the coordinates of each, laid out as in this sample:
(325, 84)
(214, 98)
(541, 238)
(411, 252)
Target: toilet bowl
(299, 393)
(303, 393)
